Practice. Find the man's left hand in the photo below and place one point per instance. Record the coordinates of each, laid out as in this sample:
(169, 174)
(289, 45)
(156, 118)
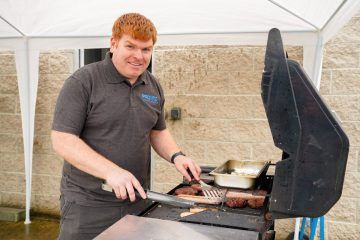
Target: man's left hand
(183, 163)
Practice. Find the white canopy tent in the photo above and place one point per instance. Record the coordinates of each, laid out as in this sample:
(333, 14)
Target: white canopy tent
(28, 26)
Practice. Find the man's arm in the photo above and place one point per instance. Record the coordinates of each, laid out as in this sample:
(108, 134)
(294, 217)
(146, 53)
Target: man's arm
(75, 151)
(165, 146)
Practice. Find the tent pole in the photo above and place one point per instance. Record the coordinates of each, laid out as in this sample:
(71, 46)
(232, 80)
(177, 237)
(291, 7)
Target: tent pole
(27, 65)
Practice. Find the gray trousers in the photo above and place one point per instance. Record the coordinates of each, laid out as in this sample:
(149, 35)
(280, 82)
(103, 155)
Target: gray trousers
(80, 222)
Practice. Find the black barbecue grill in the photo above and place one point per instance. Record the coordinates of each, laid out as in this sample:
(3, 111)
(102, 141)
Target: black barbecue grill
(308, 179)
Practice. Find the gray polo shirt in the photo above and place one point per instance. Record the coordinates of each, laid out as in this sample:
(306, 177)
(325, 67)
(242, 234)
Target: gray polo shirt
(115, 119)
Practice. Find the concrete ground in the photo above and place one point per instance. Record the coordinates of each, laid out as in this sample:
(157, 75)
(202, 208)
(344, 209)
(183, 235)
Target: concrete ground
(40, 228)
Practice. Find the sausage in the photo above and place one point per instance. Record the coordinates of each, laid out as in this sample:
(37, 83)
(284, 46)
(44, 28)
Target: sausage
(235, 202)
(186, 191)
(256, 202)
(196, 187)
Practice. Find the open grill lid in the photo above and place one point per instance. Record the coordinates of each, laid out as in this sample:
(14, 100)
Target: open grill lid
(309, 179)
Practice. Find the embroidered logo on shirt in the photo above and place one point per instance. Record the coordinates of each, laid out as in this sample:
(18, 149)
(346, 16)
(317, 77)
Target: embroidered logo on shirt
(150, 98)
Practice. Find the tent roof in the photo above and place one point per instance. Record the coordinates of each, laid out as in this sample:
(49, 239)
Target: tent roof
(94, 18)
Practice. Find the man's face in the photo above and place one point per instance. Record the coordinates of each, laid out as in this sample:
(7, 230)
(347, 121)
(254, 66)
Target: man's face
(131, 57)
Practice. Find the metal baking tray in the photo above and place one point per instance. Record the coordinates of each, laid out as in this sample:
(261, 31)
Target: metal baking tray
(238, 174)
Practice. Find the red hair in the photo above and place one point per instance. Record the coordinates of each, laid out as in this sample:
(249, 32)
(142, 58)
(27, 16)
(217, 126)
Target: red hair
(135, 25)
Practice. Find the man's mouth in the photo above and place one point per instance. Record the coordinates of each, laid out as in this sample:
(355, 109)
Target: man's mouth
(135, 64)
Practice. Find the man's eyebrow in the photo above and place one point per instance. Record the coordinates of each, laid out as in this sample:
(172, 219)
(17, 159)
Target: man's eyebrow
(129, 42)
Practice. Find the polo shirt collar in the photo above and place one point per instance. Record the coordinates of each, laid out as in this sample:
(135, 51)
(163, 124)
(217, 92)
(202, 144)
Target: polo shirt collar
(113, 75)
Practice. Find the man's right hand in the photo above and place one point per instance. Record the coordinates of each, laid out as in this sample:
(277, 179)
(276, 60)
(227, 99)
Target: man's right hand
(124, 184)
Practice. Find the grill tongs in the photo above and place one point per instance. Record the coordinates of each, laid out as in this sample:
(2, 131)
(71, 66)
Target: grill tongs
(160, 197)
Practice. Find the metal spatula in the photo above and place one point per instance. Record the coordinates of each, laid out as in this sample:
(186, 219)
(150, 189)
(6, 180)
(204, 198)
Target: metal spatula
(212, 193)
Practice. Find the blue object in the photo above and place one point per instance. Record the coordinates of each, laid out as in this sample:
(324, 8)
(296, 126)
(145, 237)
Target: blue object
(313, 226)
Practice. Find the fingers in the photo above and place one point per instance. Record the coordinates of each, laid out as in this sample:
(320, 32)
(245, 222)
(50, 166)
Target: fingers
(123, 194)
(194, 171)
(139, 188)
(131, 192)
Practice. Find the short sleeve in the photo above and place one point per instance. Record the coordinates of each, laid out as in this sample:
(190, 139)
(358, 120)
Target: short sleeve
(71, 107)
(160, 124)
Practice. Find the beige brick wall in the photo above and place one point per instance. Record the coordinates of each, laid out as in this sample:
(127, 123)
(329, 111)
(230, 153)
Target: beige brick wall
(340, 87)
(218, 89)
(55, 67)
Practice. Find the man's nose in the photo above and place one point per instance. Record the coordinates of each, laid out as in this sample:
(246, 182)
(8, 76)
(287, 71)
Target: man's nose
(138, 54)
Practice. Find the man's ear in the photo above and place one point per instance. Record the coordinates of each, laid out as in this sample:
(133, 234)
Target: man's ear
(113, 44)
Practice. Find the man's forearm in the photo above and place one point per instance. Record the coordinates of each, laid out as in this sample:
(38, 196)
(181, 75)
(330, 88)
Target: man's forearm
(163, 143)
(75, 151)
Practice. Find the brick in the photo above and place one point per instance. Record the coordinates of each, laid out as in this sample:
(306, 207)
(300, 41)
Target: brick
(233, 58)
(341, 56)
(191, 106)
(9, 199)
(47, 164)
(352, 161)
(358, 211)
(245, 82)
(180, 60)
(239, 107)
(352, 130)
(43, 104)
(325, 84)
(53, 99)
(166, 173)
(12, 162)
(42, 144)
(259, 57)
(7, 103)
(207, 129)
(48, 204)
(195, 150)
(294, 53)
(61, 62)
(7, 63)
(351, 186)
(12, 214)
(345, 81)
(17, 105)
(283, 227)
(349, 33)
(257, 108)
(343, 211)
(43, 123)
(343, 231)
(249, 131)
(15, 182)
(176, 129)
(51, 83)
(219, 152)
(227, 130)
(266, 152)
(207, 82)
(163, 187)
(172, 82)
(8, 84)
(44, 66)
(11, 143)
(10, 124)
(347, 108)
(45, 184)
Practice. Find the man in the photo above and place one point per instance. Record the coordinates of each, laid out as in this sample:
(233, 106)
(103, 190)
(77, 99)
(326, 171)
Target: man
(107, 116)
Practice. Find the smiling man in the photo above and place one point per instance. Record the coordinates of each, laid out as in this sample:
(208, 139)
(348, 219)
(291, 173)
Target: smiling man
(107, 117)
